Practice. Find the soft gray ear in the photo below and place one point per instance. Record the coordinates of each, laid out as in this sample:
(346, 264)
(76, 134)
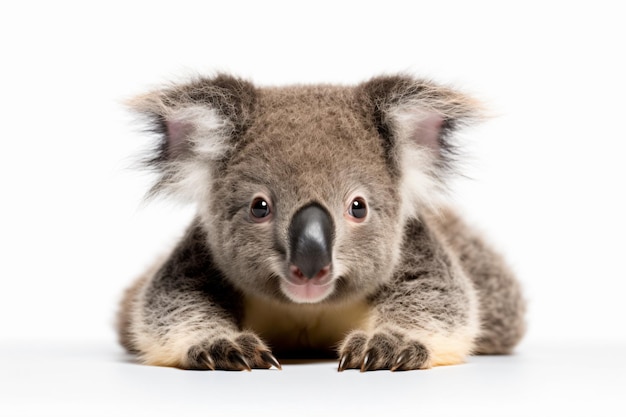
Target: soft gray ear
(416, 120)
(198, 125)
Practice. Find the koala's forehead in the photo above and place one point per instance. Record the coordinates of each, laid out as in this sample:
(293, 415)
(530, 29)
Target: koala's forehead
(303, 130)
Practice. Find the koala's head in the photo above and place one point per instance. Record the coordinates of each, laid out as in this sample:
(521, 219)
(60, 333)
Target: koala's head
(304, 191)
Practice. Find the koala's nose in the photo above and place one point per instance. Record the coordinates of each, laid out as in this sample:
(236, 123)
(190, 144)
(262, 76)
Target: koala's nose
(310, 241)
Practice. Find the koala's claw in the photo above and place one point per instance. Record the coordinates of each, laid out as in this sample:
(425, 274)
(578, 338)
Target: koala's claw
(206, 360)
(403, 358)
(382, 350)
(342, 363)
(243, 353)
(369, 360)
(238, 358)
(271, 360)
(348, 361)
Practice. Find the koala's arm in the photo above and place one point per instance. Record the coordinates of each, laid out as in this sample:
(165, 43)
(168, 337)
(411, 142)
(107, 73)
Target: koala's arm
(184, 314)
(427, 315)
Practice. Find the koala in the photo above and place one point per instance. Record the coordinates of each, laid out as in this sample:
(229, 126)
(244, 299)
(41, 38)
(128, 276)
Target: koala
(320, 231)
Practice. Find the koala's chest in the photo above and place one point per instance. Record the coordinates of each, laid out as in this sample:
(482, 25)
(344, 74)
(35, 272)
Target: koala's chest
(301, 326)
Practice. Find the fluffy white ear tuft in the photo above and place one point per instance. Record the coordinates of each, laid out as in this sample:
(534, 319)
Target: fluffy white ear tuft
(419, 127)
(197, 125)
(195, 139)
(419, 157)
(198, 130)
(416, 120)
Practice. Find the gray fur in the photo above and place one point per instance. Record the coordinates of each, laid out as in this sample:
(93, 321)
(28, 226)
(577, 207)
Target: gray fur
(412, 286)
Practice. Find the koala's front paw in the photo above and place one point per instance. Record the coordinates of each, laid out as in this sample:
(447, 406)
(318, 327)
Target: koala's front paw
(243, 352)
(382, 349)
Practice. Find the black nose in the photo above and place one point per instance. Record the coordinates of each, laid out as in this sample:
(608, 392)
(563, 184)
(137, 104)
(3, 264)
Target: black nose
(311, 239)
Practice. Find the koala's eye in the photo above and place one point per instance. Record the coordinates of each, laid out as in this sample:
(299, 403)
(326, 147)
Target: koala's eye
(358, 209)
(260, 209)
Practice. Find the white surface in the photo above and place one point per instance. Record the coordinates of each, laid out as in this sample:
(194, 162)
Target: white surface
(86, 380)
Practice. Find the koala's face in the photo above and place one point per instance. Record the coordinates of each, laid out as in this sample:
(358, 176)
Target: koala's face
(304, 191)
(306, 209)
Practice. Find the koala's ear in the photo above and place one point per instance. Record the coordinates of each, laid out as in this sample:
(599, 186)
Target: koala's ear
(416, 120)
(197, 124)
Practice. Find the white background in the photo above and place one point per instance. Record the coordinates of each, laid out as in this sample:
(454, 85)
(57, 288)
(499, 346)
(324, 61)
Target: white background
(547, 172)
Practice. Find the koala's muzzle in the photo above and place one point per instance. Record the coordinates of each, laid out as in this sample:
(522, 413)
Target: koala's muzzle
(310, 244)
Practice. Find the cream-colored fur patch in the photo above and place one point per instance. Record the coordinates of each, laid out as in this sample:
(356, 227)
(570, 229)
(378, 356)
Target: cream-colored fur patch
(449, 350)
(304, 326)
